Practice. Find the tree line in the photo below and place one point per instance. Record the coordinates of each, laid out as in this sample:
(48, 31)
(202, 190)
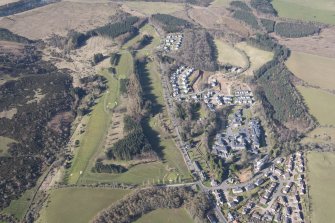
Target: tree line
(143, 201)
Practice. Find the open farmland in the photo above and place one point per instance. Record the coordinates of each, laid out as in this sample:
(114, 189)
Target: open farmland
(320, 103)
(315, 70)
(149, 8)
(78, 205)
(321, 168)
(229, 55)
(166, 216)
(59, 18)
(309, 10)
(256, 56)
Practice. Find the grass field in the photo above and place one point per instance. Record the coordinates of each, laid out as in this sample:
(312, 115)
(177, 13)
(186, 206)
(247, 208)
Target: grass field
(19, 207)
(220, 3)
(4, 141)
(309, 10)
(228, 54)
(321, 135)
(78, 205)
(256, 56)
(172, 164)
(320, 103)
(166, 216)
(321, 168)
(92, 139)
(149, 8)
(315, 70)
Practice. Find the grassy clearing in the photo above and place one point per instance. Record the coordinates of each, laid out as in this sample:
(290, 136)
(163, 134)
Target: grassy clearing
(4, 141)
(78, 205)
(309, 10)
(256, 56)
(315, 70)
(92, 140)
(228, 54)
(150, 8)
(321, 135)
(166, 216)
(320, 103)
(321, 168)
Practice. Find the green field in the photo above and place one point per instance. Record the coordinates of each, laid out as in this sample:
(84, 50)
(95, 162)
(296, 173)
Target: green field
(4, 141)
(321, 168)
(166, 216)
(229, 55)
(149, 8)
(320, 103)
(19, 207)
(309, 10)
(315, 70)
(256, 56)
(99, 118)
(172, 166)
(78, 205)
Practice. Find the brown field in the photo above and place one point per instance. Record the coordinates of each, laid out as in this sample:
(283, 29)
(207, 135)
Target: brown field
(80, 63)
(217, 18)
(315, 70)
(59, 18)
(322, 45)
(245, 175)
(149, 8)
(4, 2)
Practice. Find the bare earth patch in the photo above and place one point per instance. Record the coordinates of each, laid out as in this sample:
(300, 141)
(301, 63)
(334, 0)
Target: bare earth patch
(59, 18)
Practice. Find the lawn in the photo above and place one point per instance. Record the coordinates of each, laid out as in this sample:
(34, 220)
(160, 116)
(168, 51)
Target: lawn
(229, 55)
(4, 141)
(315, 70)
(309, 10)
(166, 216)
(320, 103)
(78, 205)
(150, 8)
(321, 168)
(256, 56)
